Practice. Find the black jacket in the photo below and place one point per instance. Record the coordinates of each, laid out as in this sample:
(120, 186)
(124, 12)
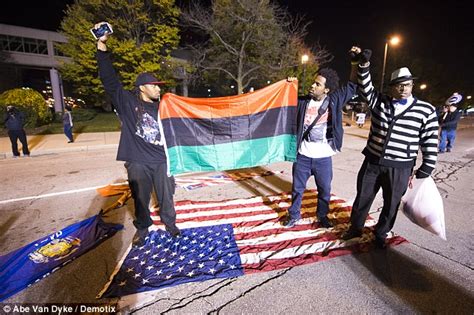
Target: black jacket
(14, 120)
(131, 111)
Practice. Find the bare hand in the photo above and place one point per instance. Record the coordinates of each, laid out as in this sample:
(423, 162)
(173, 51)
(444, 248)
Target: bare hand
(291, 79)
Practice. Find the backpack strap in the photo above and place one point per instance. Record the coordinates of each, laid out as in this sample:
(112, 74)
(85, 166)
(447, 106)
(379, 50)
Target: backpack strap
(322, 109)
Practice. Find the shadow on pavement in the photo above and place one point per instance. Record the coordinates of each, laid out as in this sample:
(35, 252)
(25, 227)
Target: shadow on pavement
(414, 285)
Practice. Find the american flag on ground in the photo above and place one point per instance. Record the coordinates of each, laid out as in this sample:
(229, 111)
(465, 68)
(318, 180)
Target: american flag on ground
(231, 238)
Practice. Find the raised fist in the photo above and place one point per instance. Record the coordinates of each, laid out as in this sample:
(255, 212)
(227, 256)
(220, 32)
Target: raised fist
(354, 54)
(365, 55)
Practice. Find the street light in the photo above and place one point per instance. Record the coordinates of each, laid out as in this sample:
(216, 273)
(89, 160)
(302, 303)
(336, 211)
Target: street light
(304, 60)
(423, 86)
(393, 41)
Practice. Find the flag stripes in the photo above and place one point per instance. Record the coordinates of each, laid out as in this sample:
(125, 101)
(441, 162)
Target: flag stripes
(264, 244)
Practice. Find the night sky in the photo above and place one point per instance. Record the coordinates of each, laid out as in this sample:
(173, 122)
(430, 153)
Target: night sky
(442, 32)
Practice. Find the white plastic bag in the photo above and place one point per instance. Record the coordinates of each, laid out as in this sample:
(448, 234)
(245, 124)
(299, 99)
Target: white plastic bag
(423, 205)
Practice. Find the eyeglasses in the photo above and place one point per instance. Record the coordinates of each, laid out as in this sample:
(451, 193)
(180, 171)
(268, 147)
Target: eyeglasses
(402, 86)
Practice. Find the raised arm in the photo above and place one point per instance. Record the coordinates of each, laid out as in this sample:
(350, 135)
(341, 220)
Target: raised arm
(107, 74)
(364, 79)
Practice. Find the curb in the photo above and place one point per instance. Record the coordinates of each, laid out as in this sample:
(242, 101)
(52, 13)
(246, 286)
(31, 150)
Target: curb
(5, 155)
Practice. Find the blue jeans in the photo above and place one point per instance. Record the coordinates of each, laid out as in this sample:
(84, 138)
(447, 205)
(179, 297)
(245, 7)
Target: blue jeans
(447, 140)
(303, 168)
(68, 132)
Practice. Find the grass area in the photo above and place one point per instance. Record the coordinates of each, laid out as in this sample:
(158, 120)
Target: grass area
(102, 122)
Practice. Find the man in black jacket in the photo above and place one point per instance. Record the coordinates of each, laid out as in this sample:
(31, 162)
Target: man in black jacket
(14, 121)
(142, 144)
(319, 137)
(448, 122)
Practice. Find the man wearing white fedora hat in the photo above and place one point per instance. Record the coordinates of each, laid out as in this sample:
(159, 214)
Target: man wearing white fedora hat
(401, 124)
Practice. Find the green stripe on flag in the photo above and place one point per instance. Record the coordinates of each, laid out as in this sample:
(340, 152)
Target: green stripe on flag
(234, 155)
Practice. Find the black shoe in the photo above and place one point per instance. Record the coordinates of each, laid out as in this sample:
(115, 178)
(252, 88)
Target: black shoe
(448, 150)
(350, 234)
(289, 222)
(325, 223)
(380, 243)
(139, 239)
(174, 231)
(70, 141)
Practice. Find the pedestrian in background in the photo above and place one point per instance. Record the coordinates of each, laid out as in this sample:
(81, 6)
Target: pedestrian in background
(14, 122)
(67, 123)
(448, 123)
(401, 125)
(142, 144)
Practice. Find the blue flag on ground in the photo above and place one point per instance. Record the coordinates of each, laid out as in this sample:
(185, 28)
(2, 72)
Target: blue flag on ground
(35, 261)
(200, 254)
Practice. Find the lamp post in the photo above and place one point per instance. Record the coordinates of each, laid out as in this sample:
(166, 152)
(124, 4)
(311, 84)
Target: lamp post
(394, 41)
(304, 60)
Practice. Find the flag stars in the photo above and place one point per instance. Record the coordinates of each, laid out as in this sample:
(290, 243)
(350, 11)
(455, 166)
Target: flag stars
(211, 248)
(162, 260)
(193, 242)
(194, 234)
(202, 245)
(145, 281)
(136, 258)
(228, 245)
(158, 246)
(221, 262)
(230, 254)
(201, 255)
(174, 254)
(129, 270)
(232, 267)
(168, 277)
(154, 256)
(210, 239)
(210, 231)
(182, 257)
(159, 272)
(176, 244)
(212, 271)
(190, 274)
(142, 262)
(180, 268)
(185, 238)
(137, 275)
(211, 258)
(147, 252)
(219, 251)
(171, 264)
(123, 283)
(191, 262)
(201, 265)
(184, 247)
(150, 267)
(166, 250)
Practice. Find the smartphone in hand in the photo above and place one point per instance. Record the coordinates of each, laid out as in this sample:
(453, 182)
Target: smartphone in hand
(104, 28)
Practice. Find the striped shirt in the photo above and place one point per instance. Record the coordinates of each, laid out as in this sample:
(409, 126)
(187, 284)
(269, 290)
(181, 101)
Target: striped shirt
(394, 140)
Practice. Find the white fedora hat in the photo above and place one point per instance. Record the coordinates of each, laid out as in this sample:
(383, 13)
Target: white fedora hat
(400, 75)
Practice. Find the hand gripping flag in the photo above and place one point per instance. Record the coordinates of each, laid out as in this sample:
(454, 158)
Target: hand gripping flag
(223, 239)
(35, 261)
(223, 133)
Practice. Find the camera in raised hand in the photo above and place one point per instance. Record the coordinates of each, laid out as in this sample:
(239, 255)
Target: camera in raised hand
(103, 29)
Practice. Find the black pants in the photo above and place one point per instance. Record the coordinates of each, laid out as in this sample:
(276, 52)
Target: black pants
(372, 177)
(16, 135)
(143, 179)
